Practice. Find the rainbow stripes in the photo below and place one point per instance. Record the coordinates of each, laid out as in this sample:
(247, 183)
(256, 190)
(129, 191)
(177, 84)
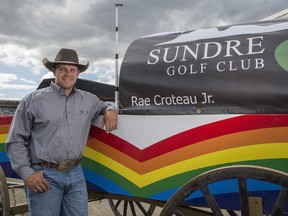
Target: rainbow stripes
(154, 163)
(5, 122)
(156, 171)
(4, 128)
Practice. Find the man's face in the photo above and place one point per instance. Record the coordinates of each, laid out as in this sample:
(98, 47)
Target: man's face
(66, 76)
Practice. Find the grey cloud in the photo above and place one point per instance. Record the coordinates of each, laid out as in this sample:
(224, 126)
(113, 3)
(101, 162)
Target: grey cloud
(89, 27)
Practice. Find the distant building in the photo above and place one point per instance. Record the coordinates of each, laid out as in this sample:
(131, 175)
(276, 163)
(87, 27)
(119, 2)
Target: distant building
(8, 107)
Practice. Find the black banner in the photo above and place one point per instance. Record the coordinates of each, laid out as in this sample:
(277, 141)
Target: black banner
(227, 70)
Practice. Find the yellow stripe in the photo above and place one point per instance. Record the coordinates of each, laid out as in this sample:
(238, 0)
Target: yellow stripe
(3, 138)
(252, 152)
(108, 162)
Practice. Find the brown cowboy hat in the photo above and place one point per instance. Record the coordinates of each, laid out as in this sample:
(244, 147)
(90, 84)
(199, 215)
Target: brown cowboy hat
(65, 56)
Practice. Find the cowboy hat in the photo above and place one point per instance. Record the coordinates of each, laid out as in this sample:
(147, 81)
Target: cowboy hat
(65, 56)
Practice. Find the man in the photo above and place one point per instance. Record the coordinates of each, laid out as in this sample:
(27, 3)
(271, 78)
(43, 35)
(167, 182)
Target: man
(47, 136)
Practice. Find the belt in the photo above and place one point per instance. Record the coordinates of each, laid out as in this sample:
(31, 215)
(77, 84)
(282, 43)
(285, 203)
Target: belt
(63, 166)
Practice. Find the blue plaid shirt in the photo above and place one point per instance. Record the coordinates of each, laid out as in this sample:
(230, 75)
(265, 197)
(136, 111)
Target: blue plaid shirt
(49, 126)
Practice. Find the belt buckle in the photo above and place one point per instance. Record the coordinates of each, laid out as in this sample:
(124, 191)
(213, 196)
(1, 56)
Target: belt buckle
(65, 166)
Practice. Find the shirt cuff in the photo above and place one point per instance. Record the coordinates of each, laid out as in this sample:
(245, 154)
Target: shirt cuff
(25, 171)
(111, 108)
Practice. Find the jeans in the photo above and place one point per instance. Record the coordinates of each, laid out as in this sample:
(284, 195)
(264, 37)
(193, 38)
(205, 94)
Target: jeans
(66, 194)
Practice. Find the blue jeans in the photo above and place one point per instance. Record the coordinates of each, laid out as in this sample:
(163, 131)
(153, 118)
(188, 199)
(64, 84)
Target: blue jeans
(66, 194)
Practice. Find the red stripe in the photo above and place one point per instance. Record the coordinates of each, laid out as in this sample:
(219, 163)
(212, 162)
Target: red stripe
(5, 120)
(195, 135)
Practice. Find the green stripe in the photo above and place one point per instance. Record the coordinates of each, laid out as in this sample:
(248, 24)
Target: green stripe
(2, 147)
(179, 180)
(173, 181)
(108, 173)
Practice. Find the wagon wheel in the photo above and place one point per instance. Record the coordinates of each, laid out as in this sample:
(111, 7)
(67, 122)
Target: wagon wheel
(4, 195)
(129, 207)
(234, 172)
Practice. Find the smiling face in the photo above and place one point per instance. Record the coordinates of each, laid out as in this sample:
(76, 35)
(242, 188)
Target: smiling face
(66, 76)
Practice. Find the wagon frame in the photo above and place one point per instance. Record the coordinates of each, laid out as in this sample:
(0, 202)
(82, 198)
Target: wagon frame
(122, 204)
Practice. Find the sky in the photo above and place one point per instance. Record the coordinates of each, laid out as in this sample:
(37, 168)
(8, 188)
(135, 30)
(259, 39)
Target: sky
(32, 30)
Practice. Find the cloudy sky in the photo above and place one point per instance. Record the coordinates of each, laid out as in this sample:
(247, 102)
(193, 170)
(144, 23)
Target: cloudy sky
(32, 30)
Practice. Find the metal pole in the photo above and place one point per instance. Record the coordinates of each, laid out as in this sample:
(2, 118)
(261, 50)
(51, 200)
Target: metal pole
(116, 59)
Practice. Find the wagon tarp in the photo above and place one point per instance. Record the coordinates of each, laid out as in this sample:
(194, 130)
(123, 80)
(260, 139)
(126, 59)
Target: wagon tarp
(235, 69)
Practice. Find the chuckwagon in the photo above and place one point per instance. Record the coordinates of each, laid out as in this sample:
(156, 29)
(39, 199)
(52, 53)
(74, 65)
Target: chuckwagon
(203, 122)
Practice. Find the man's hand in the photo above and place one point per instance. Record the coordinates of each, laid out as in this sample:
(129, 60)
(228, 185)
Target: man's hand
(36, 182)
(110, 120)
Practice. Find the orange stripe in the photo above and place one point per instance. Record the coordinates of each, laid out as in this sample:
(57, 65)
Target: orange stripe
(4, 129)
(259, 136)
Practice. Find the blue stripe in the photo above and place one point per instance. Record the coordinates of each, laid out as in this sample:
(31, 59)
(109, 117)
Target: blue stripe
(3, 157)
(231, 186)
(104, 183)
(6, 166)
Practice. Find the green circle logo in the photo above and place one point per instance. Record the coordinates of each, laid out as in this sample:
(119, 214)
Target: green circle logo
(281, 55)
